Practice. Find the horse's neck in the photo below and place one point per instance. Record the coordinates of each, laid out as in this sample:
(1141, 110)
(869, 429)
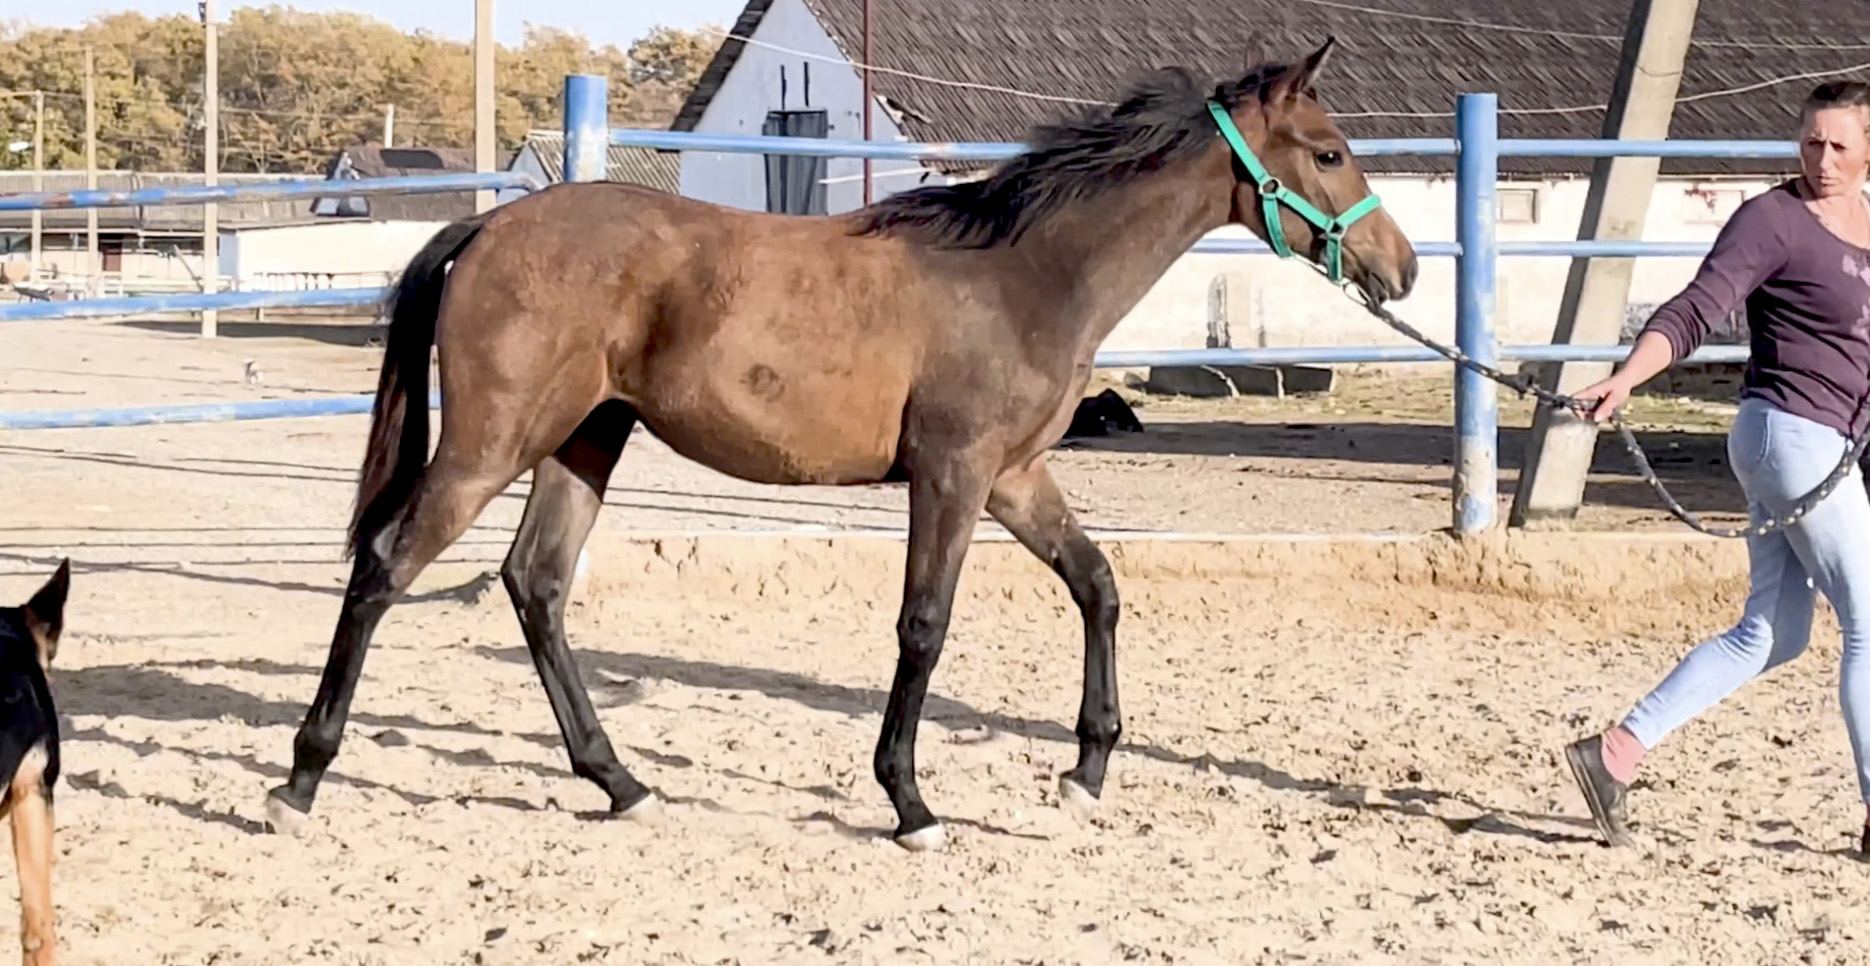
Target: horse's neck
(1118, 245)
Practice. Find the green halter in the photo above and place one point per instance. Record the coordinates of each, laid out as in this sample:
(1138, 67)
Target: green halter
(1273, 194)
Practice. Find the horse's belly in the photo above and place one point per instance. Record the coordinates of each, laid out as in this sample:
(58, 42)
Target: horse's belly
(782, 445)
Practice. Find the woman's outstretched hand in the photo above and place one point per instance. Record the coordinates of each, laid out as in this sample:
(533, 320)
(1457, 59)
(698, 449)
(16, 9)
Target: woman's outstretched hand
(1604, 397)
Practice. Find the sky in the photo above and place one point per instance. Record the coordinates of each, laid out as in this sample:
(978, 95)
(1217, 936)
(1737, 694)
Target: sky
(603, 21)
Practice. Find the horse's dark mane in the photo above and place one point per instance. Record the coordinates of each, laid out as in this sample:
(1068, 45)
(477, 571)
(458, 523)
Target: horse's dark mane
(1162, 119)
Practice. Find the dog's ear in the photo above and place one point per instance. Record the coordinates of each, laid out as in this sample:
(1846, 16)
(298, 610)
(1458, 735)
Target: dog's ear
(45, 613)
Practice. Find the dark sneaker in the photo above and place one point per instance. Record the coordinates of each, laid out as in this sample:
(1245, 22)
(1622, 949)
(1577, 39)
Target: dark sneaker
(1863, 847)
(1604, 794)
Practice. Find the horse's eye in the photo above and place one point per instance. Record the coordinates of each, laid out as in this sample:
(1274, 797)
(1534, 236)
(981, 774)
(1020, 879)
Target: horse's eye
(1330, 159)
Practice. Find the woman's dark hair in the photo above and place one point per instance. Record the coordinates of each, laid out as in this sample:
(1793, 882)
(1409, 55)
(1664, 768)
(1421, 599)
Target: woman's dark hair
(1839, 94)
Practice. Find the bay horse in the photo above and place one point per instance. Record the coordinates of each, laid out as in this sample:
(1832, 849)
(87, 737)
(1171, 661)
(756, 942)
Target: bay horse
(940, 338)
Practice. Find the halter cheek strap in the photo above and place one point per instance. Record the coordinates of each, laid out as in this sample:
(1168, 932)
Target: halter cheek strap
(1273, 194)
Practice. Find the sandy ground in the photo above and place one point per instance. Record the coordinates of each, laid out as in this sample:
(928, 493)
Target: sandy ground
(1312, 771)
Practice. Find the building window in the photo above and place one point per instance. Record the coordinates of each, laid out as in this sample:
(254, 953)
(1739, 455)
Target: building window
(795, 185)
(1517, 206)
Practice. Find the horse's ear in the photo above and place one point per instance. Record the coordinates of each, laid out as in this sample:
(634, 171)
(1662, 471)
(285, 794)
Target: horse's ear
(1299, 78)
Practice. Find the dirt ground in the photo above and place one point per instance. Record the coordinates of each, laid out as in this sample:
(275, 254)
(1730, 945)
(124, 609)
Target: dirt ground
(1317, 770)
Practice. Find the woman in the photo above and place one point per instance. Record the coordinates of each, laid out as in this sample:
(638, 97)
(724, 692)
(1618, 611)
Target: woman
(1798, 256)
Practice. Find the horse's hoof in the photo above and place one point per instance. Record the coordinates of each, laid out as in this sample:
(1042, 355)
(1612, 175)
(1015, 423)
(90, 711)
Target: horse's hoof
(282, 818)
(931, 839)
(1076, 799)
(648, 811)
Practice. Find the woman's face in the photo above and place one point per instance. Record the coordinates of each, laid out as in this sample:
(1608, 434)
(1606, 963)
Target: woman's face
(1834, 149)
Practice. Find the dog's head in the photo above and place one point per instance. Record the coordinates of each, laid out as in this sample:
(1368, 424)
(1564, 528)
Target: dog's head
(38, 622)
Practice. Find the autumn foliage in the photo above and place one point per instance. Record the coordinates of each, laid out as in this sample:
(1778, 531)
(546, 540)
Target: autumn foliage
(297, 86)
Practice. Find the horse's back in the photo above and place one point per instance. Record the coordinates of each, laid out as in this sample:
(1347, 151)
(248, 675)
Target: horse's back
(776, 348)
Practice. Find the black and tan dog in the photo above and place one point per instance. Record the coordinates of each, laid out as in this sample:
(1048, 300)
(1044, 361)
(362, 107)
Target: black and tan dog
(29, 754)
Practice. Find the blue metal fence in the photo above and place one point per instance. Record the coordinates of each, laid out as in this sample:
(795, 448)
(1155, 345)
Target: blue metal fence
(274, 191)
(203, 194)
(1476, 406)
(588, 136)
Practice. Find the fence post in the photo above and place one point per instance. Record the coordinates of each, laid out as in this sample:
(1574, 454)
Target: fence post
(587, 127)
(1476, 406)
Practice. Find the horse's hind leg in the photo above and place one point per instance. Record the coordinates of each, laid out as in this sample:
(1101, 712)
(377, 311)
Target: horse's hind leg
(567, 492)
(1027, 502)
(450, 495)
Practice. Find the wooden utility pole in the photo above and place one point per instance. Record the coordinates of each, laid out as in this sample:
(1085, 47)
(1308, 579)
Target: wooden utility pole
(211, 170)
(93, 266)
(483, 97)
(38, 180)
(1642, 103)
(867, 99)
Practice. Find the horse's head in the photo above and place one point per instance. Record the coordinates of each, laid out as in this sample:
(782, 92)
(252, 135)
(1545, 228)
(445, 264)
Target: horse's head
(1297, 186)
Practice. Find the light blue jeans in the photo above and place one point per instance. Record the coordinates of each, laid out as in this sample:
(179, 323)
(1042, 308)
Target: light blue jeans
(1779, 457)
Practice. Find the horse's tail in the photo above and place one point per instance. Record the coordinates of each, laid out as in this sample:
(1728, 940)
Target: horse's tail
(398, 448)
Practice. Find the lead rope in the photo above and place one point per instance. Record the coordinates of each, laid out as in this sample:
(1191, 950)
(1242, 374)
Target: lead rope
(1524, 385)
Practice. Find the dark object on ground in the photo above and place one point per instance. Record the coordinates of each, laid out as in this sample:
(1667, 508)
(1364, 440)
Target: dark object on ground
(1099, 414)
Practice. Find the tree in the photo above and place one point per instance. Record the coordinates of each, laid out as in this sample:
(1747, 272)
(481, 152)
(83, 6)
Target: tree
(297, 87)
(663, 68)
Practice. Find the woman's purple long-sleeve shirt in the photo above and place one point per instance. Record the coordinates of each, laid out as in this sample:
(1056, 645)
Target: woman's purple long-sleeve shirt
(1807, 294)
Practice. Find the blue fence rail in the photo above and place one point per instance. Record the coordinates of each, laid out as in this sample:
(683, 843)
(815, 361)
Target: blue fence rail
(115, 308)
(201, 194)
(588, 136)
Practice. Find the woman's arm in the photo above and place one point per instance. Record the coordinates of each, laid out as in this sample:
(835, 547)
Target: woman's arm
(1652, 354)
(1750, 249)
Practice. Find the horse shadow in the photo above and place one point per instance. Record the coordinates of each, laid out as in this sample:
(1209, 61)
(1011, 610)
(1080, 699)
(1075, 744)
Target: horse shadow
(114, 692)
(149, 692)
(854, 702)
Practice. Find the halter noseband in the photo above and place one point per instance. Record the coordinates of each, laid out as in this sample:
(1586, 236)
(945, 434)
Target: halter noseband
(1273, 194)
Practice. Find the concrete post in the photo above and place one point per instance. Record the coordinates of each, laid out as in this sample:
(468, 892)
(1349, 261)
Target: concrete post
(1558, 454)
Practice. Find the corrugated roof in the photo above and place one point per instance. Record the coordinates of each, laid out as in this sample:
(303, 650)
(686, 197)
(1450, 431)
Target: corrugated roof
(661, 170)
(1394, 57)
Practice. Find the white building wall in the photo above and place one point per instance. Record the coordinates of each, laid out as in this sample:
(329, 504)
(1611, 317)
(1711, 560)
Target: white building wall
(335, 255)
(753, 88)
